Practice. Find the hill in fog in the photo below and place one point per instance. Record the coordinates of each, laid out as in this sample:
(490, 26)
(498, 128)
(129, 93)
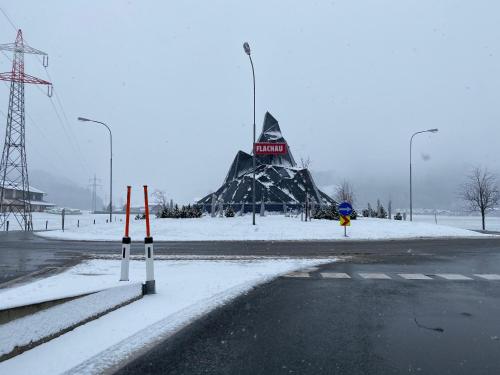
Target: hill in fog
(62, 191)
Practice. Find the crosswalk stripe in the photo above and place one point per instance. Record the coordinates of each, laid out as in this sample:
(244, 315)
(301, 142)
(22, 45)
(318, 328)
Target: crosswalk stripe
(298, 274)
(488, 276)
(414, 276)
(378, 276)
(453, 276)
(306, 273)
(335, 275)
(310, 269)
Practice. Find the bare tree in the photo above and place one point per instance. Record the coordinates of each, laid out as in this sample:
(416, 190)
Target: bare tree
(480, 191)
(305, 162)
(159, 198)
(345, 193)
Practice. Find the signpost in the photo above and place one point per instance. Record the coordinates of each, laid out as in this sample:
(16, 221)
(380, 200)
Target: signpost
(345, 211)
(268, 148)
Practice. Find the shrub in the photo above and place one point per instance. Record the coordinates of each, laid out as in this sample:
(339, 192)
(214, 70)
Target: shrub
(185, 212)
(229, 211)
(328, 213)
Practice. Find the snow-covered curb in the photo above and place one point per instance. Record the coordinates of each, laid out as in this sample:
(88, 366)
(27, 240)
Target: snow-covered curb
(134, 346)
(27, 332)
(186, 289)
(269, 228)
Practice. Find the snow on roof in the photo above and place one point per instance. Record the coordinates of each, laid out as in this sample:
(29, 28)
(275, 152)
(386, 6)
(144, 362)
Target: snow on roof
(17, 187)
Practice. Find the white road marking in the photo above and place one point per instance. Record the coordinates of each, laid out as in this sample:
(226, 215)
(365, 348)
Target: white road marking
(378, 276)
(335, 275)
(488, 276)
(453, 276)
(298, 274)
(305, 273)
(414, 276)
(310, 269)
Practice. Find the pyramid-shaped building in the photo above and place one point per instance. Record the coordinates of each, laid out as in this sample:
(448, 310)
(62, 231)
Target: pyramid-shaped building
(279, 181)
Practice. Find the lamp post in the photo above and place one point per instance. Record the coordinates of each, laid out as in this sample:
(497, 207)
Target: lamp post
(110, 164)
(411, 189)
(246, 47)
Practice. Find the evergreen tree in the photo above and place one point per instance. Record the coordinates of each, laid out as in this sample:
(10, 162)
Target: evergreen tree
(382, 213)
(329, 213)
(229, 211)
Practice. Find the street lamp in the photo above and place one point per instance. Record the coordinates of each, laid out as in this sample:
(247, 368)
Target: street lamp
(246, 47)
(411, 190)
(110, 164)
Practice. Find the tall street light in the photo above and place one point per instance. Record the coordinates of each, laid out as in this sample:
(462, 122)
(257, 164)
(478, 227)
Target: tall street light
(110, 164)
(411, 190)
(246, 47)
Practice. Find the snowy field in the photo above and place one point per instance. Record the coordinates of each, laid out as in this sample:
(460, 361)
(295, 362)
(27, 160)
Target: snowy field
(185, 291)
(272, 227)
(54, 221)
(464, 222)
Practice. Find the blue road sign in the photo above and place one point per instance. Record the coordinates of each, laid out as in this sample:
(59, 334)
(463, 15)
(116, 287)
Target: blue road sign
(345, 208)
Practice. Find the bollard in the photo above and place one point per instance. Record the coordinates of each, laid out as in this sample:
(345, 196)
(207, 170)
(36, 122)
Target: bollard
(62, 216)
(126, 243)
(46, 224)
(94, 221)
(7, 226)
(78, 223)
(148, 248)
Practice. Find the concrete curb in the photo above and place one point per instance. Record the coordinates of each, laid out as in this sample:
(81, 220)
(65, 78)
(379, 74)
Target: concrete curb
(57, 320)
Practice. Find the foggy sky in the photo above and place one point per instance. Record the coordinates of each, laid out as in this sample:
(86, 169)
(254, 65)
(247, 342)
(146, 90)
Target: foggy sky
(349, 82)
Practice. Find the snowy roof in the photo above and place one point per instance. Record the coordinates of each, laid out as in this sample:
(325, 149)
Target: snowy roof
(18, 188)
(42, 203)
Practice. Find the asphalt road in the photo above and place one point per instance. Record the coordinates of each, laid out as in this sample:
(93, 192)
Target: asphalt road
(22, 254)
(317, 325)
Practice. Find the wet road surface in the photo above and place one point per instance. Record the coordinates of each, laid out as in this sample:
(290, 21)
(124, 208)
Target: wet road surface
(430, 314)
(24, 253)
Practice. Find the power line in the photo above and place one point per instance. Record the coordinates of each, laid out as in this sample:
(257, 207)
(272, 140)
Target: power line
(72, 139)
(39, 153)
(76, 150)
(8, 19)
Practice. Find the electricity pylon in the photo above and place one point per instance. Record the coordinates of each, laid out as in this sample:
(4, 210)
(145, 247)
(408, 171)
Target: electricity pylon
(94, 183)
(15, 197)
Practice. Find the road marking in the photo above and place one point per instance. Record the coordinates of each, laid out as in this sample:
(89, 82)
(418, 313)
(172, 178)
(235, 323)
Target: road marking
(488, 276)
(298, 274)
(378, 276)
(310, 269)
(415, 276)
(335, 275)
(305, 274)
(453, 276)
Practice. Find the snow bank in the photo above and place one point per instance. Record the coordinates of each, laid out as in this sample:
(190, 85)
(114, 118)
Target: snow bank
(33, 329)
(185, 291)
(272, 227)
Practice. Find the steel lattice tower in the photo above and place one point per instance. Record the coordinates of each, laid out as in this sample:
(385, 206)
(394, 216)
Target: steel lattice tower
(14, 167)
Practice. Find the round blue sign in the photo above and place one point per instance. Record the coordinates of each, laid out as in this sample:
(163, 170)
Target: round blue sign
(345, 209)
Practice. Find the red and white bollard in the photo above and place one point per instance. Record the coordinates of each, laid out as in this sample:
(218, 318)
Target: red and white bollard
(126, 242)
(148, 247)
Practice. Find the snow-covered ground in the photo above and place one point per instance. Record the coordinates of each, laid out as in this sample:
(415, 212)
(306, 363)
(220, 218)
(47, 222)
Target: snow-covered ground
(272, 227)
(51, 322)
(185, 291)
(54, 221)
(465, 222)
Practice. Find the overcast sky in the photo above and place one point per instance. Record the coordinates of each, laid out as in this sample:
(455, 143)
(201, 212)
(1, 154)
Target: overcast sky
(349, 82)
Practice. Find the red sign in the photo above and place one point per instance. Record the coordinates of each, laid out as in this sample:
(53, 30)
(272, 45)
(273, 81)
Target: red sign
(270, 148)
